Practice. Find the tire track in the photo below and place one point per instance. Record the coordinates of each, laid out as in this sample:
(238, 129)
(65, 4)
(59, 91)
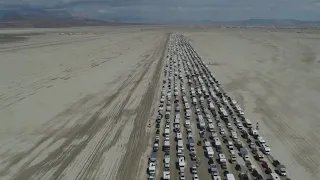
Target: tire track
(300, 145)
(138, 139)
(117, 119)
(65, 154)
(52, 43)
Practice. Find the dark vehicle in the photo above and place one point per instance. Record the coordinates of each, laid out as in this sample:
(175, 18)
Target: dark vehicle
(243, 176)
(264, 164)
(276, 163)
(268, 171)
(225, 173)
(259, 177)
(238, 167)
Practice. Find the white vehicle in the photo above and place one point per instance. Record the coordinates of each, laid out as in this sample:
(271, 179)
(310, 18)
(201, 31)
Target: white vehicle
(194, 169)
(254, 132)
(193, 93)
(224, 99)
(199, 92)
(233, 156)
(224, 112)
(261, 140)
(187, 106)
(195, 177)
(188, 123)
(248, 123)
(234, 135)
(230, 145)
(180, 144)
(166, 175)
(188, 115)
(213, 135)
(194, 101)
(179, 136)
(219, 124)
(230, 177)
(207, 143)
(234, 102)
(167, 132)
(217, 144)
(229, 125)
(216, 178)
(177, 121)
(222, 132)
(166, 145)
(182, 163)
(210, 152)
(211, 127)
(152, 168)
(202, 124)
(202, 99)
(184, 98)
(166, 159)
(211, 106)
(282, 170)
(180, 153)
(182, 176)
(222, 158)
(266, 149)
(274, 176)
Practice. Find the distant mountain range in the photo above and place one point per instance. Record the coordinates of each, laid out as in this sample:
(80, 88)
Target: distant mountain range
(265, 22)
(20, 17)
(39, 18)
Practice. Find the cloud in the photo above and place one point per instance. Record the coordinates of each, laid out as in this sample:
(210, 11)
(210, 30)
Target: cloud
(185, 10)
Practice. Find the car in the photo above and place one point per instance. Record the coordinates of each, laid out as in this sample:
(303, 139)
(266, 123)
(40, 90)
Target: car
(182, 176)
(195, 177)
(276, 163)
(264, 164)
(194, 158)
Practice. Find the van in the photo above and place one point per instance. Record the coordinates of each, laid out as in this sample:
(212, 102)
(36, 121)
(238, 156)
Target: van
(187, 123)
(211, 127)
(266, 149)
(274, 176)
(180, 144)
(152, 168)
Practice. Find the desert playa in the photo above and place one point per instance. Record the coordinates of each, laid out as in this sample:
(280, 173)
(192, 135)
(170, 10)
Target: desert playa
(81, 103)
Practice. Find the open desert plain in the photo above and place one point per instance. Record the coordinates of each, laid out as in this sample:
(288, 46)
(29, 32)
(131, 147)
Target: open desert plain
(82, 103)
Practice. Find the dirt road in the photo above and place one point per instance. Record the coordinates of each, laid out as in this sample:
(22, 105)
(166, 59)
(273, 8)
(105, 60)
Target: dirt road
(90, 120)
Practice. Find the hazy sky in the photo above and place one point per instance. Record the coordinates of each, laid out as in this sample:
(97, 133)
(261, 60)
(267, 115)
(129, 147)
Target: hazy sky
(181, 10)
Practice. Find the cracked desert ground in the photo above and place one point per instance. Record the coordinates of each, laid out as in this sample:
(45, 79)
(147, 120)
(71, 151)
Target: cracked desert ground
(77, 106)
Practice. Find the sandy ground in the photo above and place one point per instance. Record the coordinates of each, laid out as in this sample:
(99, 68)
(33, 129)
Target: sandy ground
(275, 78)
(78, 106)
